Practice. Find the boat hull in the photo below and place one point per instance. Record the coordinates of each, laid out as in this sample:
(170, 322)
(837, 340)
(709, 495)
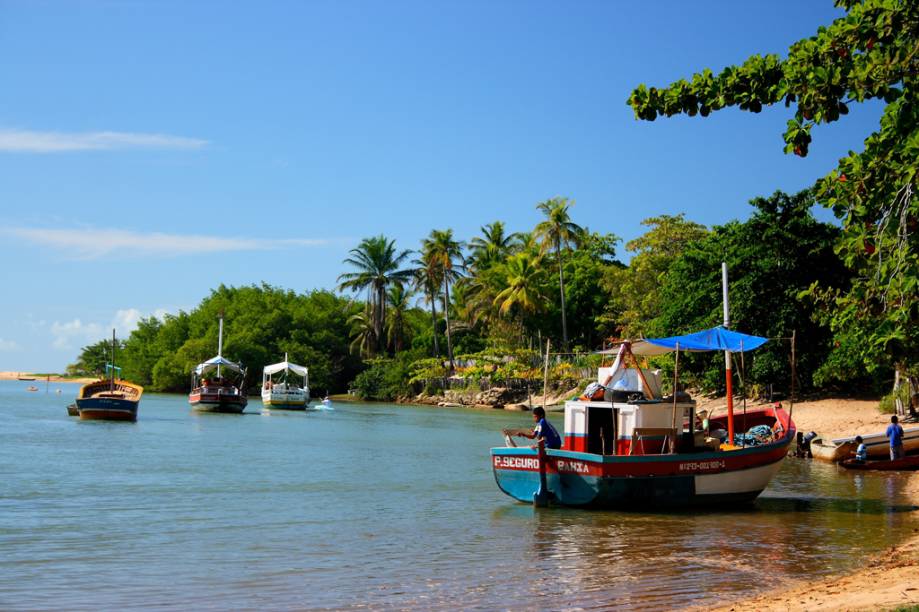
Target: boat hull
(906, 463)
(877, 444)
(214, 402)
(641, 481)
(107, 409)
(284, 401)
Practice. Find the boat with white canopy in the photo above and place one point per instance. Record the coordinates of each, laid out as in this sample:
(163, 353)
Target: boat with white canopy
(285, 386)
(216, 383)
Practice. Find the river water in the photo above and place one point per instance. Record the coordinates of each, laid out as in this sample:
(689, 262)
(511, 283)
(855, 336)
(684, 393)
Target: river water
(374, 506)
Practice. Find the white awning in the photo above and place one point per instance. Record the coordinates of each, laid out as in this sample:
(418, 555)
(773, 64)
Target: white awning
(212, 363)
(285, 365)
(640, 347)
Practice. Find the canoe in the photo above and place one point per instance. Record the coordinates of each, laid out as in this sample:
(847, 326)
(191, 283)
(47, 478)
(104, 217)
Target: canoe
(906, 463)
(878, 446)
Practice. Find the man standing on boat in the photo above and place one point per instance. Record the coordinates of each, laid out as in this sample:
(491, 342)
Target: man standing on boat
(543, 430)
(895, 435)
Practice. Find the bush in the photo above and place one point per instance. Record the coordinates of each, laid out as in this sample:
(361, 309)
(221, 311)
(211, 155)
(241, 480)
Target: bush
(888, 404)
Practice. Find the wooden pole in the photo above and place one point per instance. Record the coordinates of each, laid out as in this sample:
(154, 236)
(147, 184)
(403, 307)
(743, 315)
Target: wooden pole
(545, 375)
(791, 401)
(676, 369)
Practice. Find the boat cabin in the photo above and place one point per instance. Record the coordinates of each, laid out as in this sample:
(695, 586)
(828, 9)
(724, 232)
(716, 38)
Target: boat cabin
(627, 421)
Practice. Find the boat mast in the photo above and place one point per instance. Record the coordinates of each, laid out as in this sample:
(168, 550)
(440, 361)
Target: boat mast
(727, 354)
(112, 383)
(219, 344)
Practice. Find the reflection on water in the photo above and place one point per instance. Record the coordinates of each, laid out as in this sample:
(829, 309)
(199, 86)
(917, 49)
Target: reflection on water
(374, 506)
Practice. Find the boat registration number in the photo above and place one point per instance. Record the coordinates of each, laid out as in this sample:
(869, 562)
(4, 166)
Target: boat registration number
(517, 463)
(702, 466)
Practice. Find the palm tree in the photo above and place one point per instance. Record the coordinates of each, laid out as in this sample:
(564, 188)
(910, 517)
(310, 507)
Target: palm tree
(377, 264)
(427, 279)
(444, 252)
(493, 246)
(558, 231)
(524, 288)
(364, 332)
(397, 298)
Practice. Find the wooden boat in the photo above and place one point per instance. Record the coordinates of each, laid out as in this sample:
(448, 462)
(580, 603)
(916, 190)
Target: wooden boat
(218, 393)
(109, 398)
(906, 463)
(72, 410)
(877, 443)
(647, 451)
(31, 388)
(280, 388)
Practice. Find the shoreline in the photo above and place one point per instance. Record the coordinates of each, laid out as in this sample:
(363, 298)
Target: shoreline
(36, 378)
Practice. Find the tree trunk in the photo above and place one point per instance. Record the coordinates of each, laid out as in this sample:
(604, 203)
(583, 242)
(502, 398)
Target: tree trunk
(434, 318)
(447, 316)
(561, 286)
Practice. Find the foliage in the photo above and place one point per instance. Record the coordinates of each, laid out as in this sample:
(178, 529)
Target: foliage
(93, 359)
(888, 403)
(772, 257)
(870, 53)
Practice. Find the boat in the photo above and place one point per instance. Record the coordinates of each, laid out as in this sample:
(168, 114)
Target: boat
(878, 445)
(109, 398)
(628, 447)
(72, 410)
(910, 462)
(31, 388)
(281, 389)
(218, 392)
(327, 402)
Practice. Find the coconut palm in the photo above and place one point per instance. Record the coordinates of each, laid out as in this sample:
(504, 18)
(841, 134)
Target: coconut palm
(558, 231)
(377, 263)
(446, 255)
(427, 280)
(525, 285)
(493, 246)
(364, 332)
(397, 298)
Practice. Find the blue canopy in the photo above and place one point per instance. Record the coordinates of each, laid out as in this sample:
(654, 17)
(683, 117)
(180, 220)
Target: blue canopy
(714, 339)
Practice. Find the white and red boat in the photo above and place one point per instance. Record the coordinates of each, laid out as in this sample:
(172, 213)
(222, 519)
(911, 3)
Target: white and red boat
(626, 446)
(216, 383)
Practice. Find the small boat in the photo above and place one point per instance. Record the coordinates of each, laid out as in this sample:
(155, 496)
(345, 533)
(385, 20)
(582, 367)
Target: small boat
(906, 463)
(326, 402)
(31, 388)
(281, 389)
(877, 443)
(72, 410)
(110, 398)
(218, 393)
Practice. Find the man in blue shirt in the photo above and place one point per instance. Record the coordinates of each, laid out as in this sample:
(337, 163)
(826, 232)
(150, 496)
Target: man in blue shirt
(895, 435)
(543, 430)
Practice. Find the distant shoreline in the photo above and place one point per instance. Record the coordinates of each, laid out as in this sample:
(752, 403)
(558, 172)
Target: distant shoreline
(55, 378)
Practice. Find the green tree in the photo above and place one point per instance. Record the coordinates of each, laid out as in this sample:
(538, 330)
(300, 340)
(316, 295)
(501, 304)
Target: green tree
(523, 293)
(557, 232)
(397, 328)
(363, 332)
(492, 247)
(427, 279)
(636, 289)
(378, 265)
(447, 256)
(870, 53)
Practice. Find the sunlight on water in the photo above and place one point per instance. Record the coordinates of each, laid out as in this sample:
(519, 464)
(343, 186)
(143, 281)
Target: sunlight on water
(373, 505)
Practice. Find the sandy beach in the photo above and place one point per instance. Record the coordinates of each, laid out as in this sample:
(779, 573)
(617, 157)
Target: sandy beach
(884, 583)
(55, 378)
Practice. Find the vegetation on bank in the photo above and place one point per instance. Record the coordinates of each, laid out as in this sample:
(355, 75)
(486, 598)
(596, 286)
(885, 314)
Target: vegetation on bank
(474, 314)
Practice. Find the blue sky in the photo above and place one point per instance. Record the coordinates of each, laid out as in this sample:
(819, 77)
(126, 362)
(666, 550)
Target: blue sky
(150, 151)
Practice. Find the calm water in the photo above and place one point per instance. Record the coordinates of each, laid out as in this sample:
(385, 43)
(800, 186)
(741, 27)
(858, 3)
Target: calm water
(372, 506)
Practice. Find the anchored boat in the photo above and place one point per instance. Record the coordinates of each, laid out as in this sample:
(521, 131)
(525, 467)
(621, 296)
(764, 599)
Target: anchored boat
(626, 446)
(110, 398)
(281, 388)
(877, 444)
(215, 383)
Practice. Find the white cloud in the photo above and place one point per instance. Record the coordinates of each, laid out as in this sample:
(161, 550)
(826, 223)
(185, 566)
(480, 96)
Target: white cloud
(76, 333)
(8, 345)
(96, 243)
(27, 141)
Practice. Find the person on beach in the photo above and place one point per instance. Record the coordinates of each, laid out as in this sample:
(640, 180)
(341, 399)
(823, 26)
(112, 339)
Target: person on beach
(542, 431)
(861, 453)
(895, 435)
